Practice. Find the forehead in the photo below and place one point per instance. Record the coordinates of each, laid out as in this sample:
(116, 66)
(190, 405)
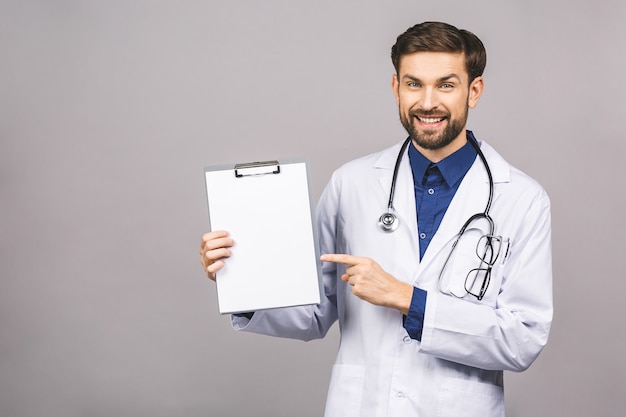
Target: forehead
(425, 65)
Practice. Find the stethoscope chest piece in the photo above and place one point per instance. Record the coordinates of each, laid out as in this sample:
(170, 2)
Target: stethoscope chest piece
(388, 222)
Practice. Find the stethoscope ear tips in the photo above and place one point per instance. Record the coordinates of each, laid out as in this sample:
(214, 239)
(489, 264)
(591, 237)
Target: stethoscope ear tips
(388, 222)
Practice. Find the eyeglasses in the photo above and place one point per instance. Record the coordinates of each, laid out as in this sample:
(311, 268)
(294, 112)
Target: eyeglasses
(487, 251)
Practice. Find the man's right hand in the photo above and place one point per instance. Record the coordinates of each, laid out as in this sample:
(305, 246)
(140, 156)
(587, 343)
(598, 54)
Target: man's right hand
(214, 249)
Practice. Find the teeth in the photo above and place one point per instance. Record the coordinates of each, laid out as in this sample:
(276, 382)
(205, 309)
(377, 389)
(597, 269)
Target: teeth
(430, 119)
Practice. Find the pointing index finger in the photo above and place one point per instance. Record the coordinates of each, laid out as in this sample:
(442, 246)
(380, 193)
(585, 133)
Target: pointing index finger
(340, 258)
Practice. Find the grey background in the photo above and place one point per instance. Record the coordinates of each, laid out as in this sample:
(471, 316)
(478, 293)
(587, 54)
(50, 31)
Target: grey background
(110, 110)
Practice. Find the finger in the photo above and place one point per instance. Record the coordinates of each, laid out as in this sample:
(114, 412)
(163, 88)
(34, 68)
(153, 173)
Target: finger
(216, 255)
(213, 268)
(352, 270)
(341, 258)
(210, 236)
(217, 243)
(215, 234)
(210, 257)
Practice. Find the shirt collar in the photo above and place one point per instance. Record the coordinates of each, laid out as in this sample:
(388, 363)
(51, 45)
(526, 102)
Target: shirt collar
(452, 168)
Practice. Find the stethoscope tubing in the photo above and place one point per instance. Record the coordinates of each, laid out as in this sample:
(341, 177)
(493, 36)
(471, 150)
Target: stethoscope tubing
(391, 220)
(392, 191)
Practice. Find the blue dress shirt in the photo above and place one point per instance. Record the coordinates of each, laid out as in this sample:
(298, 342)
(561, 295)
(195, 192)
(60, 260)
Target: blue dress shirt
(435, 185)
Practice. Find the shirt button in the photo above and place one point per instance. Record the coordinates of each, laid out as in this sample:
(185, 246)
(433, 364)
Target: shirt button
(431, 191)
(400, 395)
(422, 235)
(407, 339)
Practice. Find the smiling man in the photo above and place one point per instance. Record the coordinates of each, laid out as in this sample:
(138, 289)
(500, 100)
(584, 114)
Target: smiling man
(457, 288)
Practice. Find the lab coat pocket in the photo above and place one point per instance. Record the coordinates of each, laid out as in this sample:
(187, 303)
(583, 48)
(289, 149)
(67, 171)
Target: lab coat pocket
(474, 266)
(460, 397)
(345, 391)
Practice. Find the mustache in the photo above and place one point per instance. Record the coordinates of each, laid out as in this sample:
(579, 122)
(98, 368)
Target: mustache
(428, 113)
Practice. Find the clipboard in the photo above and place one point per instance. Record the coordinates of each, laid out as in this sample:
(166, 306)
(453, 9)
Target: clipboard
(266, 207)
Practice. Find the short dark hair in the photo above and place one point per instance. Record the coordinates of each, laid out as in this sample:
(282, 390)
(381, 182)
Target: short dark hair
(441, 37)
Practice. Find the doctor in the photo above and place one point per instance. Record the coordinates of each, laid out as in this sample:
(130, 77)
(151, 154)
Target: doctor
(453, 284)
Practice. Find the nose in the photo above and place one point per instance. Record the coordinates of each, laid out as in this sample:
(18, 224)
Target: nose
(429, 99)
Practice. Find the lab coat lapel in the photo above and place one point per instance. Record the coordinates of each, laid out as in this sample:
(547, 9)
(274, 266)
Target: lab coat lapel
(404, 198)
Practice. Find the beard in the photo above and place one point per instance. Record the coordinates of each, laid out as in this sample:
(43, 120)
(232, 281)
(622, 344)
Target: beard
(430, 138)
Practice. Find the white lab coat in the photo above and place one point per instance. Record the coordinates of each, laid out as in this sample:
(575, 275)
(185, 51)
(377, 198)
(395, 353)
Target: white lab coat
(457, 368)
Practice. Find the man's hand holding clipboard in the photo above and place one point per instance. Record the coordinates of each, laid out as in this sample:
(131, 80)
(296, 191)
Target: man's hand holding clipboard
(214, 248)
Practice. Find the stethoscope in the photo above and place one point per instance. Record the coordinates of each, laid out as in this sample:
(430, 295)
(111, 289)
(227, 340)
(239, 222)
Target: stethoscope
(388, 221)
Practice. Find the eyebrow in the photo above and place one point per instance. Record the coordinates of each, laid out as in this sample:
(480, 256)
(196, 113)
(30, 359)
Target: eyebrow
(440, 80)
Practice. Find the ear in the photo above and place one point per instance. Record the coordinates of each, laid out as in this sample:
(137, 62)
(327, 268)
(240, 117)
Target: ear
(395, 87)
(475, 92)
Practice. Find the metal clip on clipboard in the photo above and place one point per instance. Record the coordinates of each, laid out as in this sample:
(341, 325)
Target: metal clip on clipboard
(257, 168)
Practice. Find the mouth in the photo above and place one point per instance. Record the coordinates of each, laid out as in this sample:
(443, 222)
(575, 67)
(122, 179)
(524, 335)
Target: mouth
(430, 120)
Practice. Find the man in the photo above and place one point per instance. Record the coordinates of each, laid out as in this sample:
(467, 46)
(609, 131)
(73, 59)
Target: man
(435, 305)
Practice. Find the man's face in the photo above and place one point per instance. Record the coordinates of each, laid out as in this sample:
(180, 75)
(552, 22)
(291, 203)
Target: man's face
(433, 94)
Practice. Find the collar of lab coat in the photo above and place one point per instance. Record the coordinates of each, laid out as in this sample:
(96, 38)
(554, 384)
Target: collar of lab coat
(468, 200)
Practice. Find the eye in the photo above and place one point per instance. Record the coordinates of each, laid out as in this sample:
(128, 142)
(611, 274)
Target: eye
(413, 84)
(447, 86)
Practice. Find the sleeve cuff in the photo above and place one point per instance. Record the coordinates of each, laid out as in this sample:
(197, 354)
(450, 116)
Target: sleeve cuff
(414, 321)
(245, 315)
